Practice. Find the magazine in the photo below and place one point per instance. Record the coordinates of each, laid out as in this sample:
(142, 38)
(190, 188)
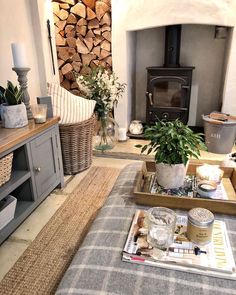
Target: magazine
(214, 259)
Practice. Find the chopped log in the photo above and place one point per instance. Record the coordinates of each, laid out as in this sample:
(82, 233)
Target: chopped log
(90, 34)
(70, 76)
(65, 53)
(69, 28)
(81, 47)
(104, 53)
(63, 14)
(76, 66)
(106, 19)
(98, 39)
(96, 62)
(74, 85)
(106, 45)
(72, 19)
(96, 50)
(89, 43)
(105, 28)
(57, 30)
(82, 22)
(92, 65)
(61, 24)
(90, 3)
(70, 34)
(71, 2)
(55, 7)
(80, 37)
(62, 33)
(61, 77)
(64, 5)
(93, 24)
(79, 9)
(108, 2)
(56, 18)
(76, 57)
(101, 8)
(86, 58)
(60, 63)
(71, 42)
(66, 68)
(60, 41)
(97, 31)
(107, 36)
(108, 60)
(75, 92)
(85, 71)
(81, 30)
(66, 84)
(90, 14)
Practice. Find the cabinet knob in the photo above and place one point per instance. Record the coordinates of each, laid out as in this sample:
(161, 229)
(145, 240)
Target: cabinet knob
(38, 169)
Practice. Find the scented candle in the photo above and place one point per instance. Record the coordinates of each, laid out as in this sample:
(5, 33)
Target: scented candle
(200, 225)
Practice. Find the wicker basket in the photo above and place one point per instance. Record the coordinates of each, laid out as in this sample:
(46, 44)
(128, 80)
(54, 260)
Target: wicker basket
(5, 168)
(76, 145)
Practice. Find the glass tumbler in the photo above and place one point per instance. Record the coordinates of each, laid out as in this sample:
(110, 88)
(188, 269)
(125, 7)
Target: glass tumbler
(161, 227)
(39, 113)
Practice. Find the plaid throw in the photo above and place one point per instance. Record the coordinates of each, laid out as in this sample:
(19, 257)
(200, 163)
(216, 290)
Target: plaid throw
(97, 267)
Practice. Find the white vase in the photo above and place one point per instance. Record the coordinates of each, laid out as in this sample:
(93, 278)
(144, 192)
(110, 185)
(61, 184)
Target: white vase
(171, 176)
(14, 116)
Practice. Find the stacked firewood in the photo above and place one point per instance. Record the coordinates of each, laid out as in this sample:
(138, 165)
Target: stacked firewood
(83, 38)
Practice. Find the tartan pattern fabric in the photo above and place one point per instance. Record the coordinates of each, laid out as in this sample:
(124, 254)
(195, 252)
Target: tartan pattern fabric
(97, 268)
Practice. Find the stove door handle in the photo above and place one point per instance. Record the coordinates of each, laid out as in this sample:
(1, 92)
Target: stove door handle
(149, 95)
(185, 86)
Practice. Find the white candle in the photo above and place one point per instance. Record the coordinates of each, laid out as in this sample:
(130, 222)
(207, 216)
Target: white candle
(19, 55)
(122, 134)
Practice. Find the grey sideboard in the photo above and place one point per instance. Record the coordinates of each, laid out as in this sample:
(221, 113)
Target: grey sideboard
(37, 167)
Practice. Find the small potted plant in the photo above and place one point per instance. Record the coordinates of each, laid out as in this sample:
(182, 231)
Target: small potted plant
(173, 143)
(13, 111)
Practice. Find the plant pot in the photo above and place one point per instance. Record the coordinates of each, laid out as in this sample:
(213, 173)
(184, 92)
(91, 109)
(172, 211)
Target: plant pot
(171, 176)
(14, 116)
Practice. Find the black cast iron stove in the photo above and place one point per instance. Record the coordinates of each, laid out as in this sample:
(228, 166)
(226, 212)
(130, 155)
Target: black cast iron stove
(169, 87)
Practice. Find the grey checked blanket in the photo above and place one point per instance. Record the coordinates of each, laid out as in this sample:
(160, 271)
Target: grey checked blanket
(97, 268)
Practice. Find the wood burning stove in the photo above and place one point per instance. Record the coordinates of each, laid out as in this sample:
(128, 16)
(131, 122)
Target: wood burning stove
(169, 87)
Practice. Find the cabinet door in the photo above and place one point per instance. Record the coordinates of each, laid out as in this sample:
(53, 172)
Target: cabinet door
(45, 162)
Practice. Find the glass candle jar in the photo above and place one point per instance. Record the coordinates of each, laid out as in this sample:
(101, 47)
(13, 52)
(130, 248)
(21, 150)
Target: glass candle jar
(136, 127)
(200, 226)
(39, 112)
(161, 227)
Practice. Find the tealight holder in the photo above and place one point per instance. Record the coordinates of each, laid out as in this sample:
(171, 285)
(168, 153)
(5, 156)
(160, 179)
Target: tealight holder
(209, 172)
(39, 113)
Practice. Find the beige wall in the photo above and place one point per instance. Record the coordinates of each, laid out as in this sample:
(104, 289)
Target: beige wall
(24, 21)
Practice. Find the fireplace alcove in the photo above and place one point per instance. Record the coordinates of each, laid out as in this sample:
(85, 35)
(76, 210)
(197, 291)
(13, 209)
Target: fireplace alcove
(132, 17)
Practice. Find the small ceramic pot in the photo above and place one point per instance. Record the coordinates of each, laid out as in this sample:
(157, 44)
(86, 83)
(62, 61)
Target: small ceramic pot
(171, 176)
(136, 127)
(14, 116)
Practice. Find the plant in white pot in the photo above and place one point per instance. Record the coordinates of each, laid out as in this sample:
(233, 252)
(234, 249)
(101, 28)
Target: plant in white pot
(13, 112)
(173, 144)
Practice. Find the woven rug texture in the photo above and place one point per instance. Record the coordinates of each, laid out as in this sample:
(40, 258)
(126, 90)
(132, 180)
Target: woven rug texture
(41, 267)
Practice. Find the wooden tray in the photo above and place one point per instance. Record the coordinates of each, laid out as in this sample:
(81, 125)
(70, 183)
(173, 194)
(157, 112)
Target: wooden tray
(143, 197)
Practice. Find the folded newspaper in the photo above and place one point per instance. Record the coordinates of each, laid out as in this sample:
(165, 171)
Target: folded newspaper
(214, 259)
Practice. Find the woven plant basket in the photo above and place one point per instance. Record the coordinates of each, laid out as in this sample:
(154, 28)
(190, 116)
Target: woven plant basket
(76, 145)
(5, 168)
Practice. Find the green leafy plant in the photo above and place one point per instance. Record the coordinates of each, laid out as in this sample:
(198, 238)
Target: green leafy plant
(172, 142)
(11, 95)
(103, 87)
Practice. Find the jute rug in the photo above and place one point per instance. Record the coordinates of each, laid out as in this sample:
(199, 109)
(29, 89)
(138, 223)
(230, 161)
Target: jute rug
(42, 265)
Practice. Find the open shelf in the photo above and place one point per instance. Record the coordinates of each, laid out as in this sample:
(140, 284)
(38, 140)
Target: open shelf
(22, 208)
(17, 178)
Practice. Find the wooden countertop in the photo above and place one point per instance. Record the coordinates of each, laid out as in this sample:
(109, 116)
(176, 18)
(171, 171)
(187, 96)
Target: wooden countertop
(10, 137)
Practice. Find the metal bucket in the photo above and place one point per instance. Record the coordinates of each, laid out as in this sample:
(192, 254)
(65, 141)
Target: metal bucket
(219, 136)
